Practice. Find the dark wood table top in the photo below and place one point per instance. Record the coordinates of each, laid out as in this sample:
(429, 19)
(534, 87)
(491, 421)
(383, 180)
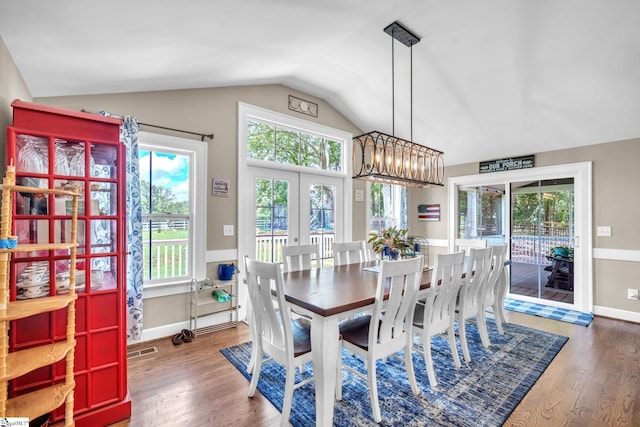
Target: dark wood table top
(332, 290)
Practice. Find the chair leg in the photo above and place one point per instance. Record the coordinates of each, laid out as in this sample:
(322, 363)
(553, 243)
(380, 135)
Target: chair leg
(408, 364)
(496, 310)
(339, 375)
(502, 292)
(462, 331)
(428, 362)
(452, 345)
(482, 328)
(373, 391)
(252, 328)
(288, 394)
(256, 370)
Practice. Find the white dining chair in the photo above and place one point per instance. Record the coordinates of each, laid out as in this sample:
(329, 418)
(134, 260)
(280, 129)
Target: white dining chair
(490, 297)
(387, 330)
(300, 257)
(275, 333)
(470, 295)
(435, 309)
(466, 244)
(369, 253)
(348, 253)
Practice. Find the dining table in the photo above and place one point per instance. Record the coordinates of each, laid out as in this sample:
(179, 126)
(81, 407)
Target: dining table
(329, 295)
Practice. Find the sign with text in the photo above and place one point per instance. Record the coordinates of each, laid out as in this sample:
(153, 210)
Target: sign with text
(524, 162)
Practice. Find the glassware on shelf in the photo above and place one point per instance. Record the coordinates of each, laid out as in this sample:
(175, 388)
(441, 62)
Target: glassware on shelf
(61, 161)
(76, 166)
(30, 154)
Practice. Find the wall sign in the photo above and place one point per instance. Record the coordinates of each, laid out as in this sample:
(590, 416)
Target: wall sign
(513, 163)
(220, 187)
(430, 212)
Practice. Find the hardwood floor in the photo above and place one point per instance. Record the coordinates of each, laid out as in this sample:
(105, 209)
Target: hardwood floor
(594, 381)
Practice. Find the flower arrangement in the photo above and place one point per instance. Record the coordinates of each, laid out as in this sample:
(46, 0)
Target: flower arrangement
(394, 238)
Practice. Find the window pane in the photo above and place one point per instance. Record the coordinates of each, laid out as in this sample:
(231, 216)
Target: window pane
(164, 189)
(334, 150)
(272, 218)
(287, 147)
(261, 141)
(311, 152)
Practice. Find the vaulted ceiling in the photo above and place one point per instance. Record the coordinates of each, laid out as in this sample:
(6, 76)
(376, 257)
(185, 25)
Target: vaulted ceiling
(491, 78)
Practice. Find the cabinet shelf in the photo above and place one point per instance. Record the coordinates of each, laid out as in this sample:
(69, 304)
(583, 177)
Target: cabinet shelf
(24, 361)
(21, 362)
(29, 247)
(31, 307)
(39, 402)
(38, 190)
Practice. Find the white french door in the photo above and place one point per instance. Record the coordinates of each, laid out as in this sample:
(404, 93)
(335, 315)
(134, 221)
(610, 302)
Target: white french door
(292, 208)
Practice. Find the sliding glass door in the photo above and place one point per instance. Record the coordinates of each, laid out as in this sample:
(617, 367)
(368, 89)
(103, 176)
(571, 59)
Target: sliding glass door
(544, 215)
(542, 239)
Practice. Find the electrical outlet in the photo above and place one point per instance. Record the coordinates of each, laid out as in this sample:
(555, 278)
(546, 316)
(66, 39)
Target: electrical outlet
(632, 294)
(604, 231)
(227, 230)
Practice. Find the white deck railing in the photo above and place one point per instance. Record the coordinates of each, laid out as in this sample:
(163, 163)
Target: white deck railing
(264, 244)
(169, 257)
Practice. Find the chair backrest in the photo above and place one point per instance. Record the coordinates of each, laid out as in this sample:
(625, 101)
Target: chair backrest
(369, 254)
(270, 314)
(466, 244)
(348, 253)
(498, 256)
(476, 277)
(295, 258)
(391, 318)
(440, 301)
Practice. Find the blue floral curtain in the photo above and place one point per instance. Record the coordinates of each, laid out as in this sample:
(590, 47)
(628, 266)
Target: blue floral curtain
(129, 137)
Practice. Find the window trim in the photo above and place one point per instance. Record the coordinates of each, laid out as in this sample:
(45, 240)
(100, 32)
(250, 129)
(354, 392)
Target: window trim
(197, 152)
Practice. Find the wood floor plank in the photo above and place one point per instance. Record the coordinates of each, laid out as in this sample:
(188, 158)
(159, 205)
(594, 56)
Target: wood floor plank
(593, 381)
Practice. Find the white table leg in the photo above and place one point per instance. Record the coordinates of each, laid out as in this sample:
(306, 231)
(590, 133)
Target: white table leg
(324, 343)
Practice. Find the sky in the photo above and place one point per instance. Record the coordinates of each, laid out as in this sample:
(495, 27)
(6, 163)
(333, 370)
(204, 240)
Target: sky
(169, 170)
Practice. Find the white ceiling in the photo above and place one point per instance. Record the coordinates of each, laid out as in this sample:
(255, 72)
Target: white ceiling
(491, 78)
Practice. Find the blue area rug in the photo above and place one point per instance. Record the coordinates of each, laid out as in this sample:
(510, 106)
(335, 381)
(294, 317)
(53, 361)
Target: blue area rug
(482, 393)
(555, 313)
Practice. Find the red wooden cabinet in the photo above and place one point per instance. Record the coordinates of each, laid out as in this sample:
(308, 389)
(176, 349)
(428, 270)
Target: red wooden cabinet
(56, 148)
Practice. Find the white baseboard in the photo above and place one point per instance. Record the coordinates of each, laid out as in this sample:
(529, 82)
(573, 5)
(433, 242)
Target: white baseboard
(614, 313)
(166, 331)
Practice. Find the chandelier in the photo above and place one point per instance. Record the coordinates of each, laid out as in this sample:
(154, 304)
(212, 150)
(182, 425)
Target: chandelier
(386, 158)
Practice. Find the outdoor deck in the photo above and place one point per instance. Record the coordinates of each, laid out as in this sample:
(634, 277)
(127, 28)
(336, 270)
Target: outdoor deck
(524, 281)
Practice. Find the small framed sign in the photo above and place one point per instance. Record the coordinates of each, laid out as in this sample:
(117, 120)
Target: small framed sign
(429, 212)
(513, 163)
(220, 187)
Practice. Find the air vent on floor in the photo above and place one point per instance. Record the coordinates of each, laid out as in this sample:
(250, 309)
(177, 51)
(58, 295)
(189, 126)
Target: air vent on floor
(140, 353)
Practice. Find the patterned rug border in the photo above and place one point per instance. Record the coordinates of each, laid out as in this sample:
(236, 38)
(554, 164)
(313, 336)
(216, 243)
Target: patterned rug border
(483, 392)
(555, 313)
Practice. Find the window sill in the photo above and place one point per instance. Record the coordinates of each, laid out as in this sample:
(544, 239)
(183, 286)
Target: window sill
(157, 290)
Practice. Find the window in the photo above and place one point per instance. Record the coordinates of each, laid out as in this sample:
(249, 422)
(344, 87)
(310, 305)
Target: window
(172, 215)
(275, 143)
(387, 206)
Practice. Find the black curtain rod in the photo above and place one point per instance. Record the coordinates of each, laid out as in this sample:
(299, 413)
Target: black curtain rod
(201, 135)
